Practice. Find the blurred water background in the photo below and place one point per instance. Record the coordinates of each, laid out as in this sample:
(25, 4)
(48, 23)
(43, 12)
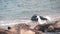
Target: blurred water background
(24, 9)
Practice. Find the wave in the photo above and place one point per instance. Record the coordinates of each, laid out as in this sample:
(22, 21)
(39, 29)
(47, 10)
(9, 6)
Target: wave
(12, 22)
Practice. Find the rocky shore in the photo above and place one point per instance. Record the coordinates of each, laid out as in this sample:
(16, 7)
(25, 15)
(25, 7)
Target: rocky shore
(32, 28)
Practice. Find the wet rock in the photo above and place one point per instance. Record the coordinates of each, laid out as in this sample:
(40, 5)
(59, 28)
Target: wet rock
(3, 31)
(9, 31)
(22, 29)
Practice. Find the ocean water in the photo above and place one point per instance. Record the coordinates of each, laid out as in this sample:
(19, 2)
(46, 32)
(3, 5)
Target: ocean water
(24, 9)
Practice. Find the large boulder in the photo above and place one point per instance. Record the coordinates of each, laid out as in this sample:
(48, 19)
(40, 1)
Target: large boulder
(22, 29)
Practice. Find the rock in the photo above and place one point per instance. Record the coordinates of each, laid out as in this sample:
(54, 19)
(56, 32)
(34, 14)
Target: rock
(22, 29)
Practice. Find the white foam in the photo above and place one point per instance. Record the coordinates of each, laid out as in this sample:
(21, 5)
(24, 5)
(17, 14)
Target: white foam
(12, 22)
